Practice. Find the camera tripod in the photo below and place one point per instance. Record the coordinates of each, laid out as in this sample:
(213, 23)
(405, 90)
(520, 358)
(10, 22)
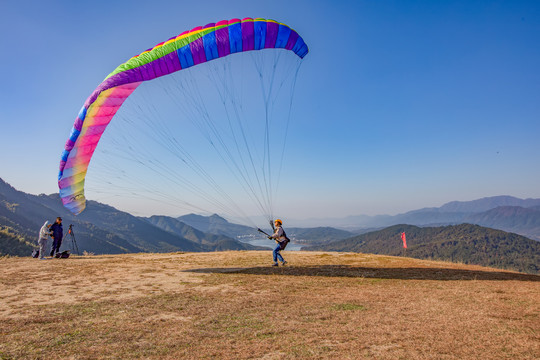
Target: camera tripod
(74, 246)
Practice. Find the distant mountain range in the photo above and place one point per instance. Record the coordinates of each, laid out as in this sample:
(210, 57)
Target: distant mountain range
(100, 229)
(464, 243)
(216, 242)
(215, 224)
(507, 213)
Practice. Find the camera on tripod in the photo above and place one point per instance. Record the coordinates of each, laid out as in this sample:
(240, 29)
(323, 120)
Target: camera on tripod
(71, 233)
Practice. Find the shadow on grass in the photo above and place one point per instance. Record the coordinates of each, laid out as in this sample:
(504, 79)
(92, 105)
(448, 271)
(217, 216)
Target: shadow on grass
(409, 273)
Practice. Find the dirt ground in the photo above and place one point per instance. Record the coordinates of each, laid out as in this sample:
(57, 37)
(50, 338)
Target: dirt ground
(234, 305)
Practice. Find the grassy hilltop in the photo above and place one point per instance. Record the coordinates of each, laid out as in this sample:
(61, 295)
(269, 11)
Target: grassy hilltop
(233, 305)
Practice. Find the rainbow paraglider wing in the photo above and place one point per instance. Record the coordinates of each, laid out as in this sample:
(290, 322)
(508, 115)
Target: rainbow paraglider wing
(190, 48)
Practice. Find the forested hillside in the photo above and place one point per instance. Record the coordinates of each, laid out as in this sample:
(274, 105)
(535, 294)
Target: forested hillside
(100, 229)
(13, 243)
(465, 243)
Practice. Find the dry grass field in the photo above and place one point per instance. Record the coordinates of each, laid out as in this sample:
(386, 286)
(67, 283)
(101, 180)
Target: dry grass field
(233, 305)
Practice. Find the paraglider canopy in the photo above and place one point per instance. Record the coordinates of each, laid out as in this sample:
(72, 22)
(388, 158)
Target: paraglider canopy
(190, 48)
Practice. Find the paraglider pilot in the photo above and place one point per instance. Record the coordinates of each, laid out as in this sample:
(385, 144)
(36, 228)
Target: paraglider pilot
(281, 239)
(57, 234)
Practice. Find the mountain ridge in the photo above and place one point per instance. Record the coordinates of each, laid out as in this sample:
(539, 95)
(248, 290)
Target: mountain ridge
(451, 213)
(465, 243)
(100, 229)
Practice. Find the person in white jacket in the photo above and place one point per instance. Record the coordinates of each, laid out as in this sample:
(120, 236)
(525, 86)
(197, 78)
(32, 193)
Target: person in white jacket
(44, 234)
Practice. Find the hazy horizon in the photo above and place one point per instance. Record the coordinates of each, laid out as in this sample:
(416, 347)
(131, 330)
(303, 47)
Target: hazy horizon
(293, 220)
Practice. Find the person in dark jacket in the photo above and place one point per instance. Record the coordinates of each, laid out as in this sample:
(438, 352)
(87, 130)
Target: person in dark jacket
(57, 235)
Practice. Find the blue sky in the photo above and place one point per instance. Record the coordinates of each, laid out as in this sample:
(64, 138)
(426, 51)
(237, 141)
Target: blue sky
(399, 104)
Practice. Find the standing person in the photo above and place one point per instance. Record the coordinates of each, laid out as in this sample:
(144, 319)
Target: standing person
(57, 234)
(44, 234)
(281, 239)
